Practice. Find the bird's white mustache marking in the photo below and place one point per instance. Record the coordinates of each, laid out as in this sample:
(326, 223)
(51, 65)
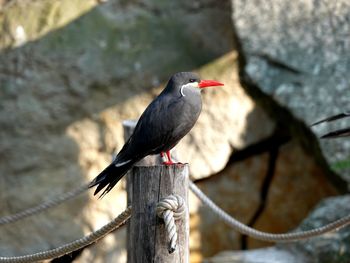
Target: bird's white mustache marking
(188, 85)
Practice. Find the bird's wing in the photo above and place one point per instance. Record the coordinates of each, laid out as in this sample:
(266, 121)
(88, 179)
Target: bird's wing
(159, 127)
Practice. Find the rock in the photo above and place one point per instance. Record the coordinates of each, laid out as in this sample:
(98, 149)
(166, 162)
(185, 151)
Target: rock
(65, 93)
(296, 52)
(259, 191)
(330, 247)
(25, 21)
(282, 199)
(239, 187)
(263, 255)
(292, 192)
(68, 78)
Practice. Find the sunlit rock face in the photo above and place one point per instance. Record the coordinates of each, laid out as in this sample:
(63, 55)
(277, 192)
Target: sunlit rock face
(329, 247)
(297, 53)
(72, 71)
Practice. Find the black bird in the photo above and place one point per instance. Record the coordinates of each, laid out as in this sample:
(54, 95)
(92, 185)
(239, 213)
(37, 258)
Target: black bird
(168, 118)
(337, 133)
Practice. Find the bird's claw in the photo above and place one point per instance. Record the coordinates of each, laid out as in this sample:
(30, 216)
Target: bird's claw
(167, 163)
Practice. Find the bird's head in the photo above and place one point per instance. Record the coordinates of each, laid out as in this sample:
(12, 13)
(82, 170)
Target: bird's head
(190, 80)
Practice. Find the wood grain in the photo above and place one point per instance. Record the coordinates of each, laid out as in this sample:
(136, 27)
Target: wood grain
(147, 235)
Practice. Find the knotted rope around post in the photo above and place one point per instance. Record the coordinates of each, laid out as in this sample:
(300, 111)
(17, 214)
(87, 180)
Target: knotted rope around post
(171, 208)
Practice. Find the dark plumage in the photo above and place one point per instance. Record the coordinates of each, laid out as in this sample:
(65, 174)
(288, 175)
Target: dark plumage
(162, 125)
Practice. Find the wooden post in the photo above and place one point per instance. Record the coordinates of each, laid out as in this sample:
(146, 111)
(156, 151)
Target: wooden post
(148, 240)
(147, 183)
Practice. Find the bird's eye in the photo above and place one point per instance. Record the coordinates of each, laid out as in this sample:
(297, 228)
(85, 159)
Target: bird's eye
(192, 80)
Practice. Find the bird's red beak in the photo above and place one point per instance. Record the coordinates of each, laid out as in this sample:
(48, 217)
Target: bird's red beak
(209, 83)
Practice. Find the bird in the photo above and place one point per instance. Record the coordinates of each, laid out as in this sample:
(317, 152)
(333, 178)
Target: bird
(345, 132)
(165, 121)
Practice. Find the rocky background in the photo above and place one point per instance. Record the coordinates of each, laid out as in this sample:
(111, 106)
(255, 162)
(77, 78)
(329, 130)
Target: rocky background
(72, 71)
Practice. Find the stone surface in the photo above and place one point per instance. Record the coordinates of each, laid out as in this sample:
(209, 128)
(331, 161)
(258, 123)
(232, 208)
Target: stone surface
(65, 93)
(264, 255)
(290, 194)
(297, 52)
(68, 78)
(239, 187)
(25, 20)
(330, 247)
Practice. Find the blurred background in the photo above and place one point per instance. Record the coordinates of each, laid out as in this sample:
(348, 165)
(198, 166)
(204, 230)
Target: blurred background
(72, 70)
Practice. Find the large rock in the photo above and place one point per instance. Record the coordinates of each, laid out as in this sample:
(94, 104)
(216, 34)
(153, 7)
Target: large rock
(260, 192)
(330, 247)
(285, 195)
(262, 255)
(296, 52)
(65, 93)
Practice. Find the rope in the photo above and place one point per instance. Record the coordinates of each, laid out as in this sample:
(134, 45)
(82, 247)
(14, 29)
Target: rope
(171, 208)
(171, 211)
(43, 206)
(75, 245)
(244, 229)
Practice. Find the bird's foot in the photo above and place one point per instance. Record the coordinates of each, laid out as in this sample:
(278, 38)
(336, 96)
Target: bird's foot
(167, 161)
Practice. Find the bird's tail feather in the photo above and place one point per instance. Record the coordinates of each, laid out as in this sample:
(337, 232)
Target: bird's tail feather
(109, 177)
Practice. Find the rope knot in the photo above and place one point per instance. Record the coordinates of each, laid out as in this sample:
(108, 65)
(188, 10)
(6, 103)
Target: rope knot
(171, 208)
